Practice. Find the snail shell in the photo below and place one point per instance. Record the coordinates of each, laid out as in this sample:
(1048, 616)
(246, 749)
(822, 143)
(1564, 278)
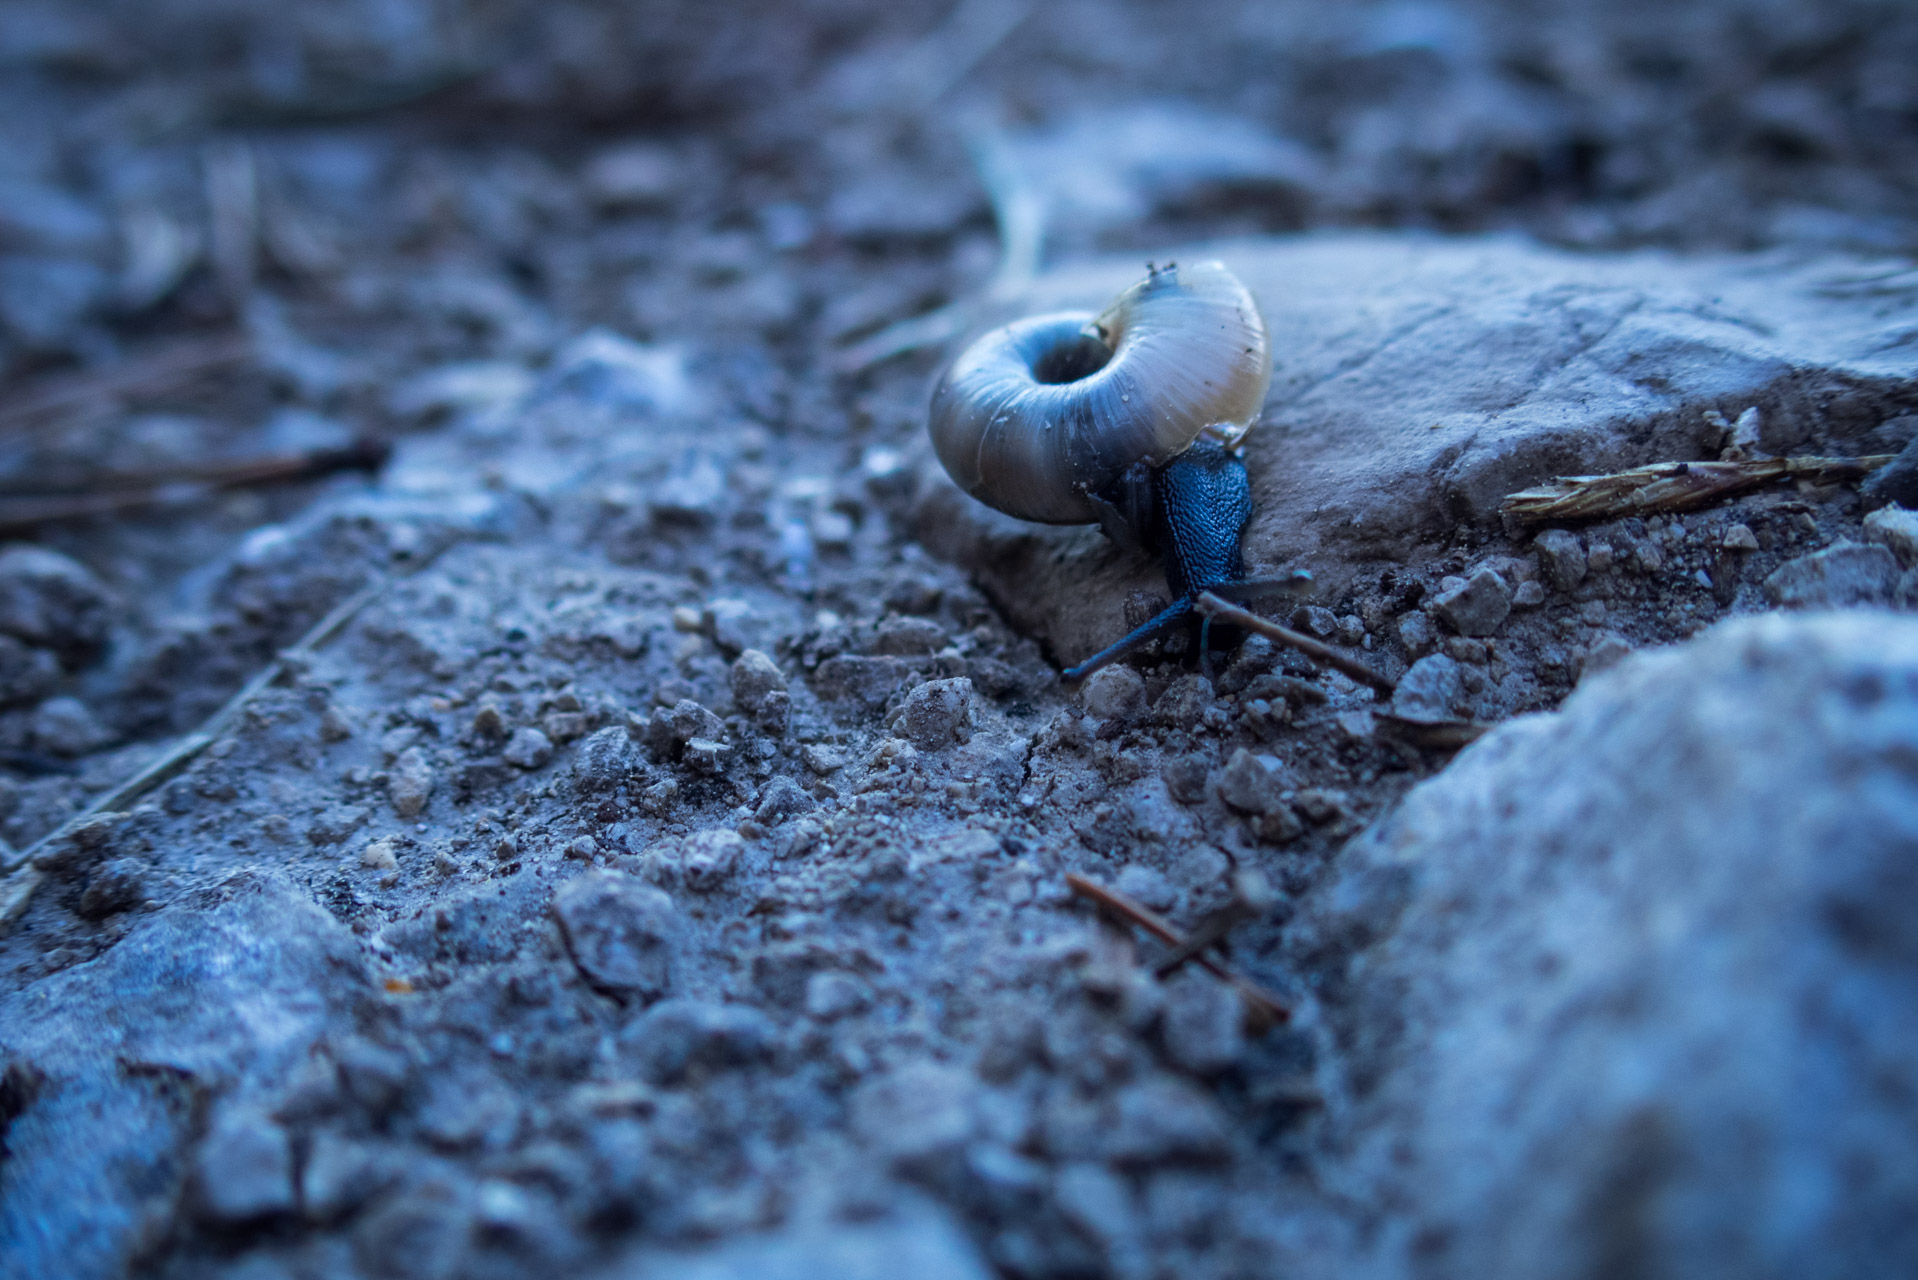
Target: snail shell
(1036, 417)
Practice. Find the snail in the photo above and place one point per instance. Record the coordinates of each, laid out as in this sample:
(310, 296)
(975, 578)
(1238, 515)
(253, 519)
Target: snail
(1131, 419)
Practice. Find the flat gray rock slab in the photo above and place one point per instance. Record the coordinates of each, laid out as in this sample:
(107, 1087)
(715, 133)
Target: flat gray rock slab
(1418, 381)
(1632, 989)
(115, 1059)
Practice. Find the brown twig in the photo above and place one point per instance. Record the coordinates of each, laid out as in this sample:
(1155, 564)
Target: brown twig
(124, 491)
(1265, 1009)
(1666, 487)
(1213, 607)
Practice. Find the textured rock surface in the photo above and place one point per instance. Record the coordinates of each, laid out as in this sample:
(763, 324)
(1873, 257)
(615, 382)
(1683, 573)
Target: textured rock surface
(219, 997)
(380, 983)
(1417, 382)
(1625, 990)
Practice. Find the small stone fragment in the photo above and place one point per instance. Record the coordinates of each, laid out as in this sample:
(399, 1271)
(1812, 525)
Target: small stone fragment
(1316, 620)
(709, 858)
(115, 886)
(409, 784)
(64, 727)
(672, 728)
(1843, 575)
(1204, 1023)
(1147, 886)
(528, 748)
(1254, 783)
(582, 849)
(1417, 633)
(622, 933)
(340, 1175)
(759, 688)
(705, 755)
(822, 760)
(26, 674)
(420, 1233)
(831, 995)
(335, 724)
(243, 1169)
(380, 855)
(1897, 529)
(53, 602)
(1606, 652)
(937, 714)
(336, 822)
(566, 726)
(1280, 826)
(908, 637)
(606, 760)
(1184, 703)
(1098, 1203)
(1739, 537)
(1528, 595)
(1432, 690)
(1185, 778)
(488, 723)
(1114, 693)
(781, 799)
(633, 174)
(1897, 481)
(678, 1036)
(1321, 805)
(917, 1112)
(1164, 1120)
(1478, 607)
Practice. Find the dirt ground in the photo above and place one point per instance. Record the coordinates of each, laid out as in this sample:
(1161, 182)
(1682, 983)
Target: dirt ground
(657, 845)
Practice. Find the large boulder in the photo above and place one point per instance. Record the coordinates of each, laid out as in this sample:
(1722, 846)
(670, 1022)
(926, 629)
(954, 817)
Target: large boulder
(1417, 381)
(1632, 988)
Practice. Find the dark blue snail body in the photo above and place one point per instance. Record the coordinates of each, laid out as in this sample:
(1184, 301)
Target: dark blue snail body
(1131, 419)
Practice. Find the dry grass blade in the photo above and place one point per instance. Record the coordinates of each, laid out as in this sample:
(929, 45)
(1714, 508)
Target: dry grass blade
(1222, 611)
(16, 891)
(1667, 487)
(1263, 1009)
(167, 367)
(1019, 211)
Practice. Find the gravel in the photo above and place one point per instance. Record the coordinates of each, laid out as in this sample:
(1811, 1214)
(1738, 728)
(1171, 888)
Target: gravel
(664, 870)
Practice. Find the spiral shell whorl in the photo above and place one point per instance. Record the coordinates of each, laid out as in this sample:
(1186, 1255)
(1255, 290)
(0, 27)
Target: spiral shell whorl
(1180, 351)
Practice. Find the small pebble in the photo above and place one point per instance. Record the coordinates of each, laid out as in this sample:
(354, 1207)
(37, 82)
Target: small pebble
(380, 855)
(1478, 606)
(1114, 693)
(528, 748)
(1563, 558)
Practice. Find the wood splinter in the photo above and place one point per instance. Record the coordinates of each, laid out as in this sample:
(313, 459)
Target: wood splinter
(1263, 1009)
(1220, 610)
